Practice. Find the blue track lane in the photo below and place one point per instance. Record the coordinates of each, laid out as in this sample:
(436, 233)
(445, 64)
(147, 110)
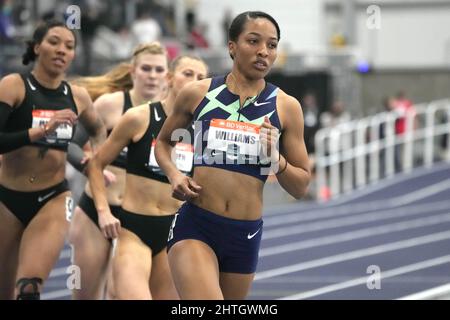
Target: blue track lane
(319, 251)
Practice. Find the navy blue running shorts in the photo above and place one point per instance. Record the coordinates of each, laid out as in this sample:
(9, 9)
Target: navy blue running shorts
(235, 242)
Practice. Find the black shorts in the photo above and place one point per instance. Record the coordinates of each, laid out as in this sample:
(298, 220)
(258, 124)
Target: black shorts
(152, 230)
(26, 205)
(87, 204)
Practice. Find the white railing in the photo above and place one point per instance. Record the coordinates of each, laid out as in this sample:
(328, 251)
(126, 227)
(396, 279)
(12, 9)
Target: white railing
(360, 152)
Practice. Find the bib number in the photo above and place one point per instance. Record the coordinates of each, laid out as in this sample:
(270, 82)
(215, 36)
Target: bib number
(184, 157)
(62, 132)
(236, 139)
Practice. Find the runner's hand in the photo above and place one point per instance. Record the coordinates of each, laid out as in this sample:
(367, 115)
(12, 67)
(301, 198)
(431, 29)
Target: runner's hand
(109, 225)
(184, 188)
(269, 137)
(66, 116)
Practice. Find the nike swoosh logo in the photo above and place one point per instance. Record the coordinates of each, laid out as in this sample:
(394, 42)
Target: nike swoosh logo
(31, 86)
(65, 90)
(157, 117)
(250, 236)
(40, 199)
(257, 104)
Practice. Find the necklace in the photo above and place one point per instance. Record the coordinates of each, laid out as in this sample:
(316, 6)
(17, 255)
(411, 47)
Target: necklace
(253, 98)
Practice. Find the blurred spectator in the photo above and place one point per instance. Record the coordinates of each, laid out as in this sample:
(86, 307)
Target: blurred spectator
(311, 119)
(445, 145)
(311, 126)
(124, 44)
(226, 23)
(328, 119)
(113, 44)
(6, 26)
(196, 38)
(56, 12)
(21, 19)
(402, 106)
(89, 24)
(335, 115)
(145, 29)
(388, 106)
(191, 15)
(159, 13)
(169, 25)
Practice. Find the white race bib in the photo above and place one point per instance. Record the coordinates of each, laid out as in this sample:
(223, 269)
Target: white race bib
(234, 138)
(42, 117)
(184, 157)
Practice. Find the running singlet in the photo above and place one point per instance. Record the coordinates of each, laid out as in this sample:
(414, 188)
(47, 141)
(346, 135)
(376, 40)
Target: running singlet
(121, 159)
(141, 154)
(38, 107)
(227, 135)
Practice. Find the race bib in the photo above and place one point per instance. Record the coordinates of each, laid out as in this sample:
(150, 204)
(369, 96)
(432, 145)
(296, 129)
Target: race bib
(234, 138)
(184, 157)
(62, 132)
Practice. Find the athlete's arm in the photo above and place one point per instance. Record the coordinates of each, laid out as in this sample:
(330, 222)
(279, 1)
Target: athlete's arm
(89, 118)
(12, 92)
(121, 136)
(77, 154)
(190, 96)
(293, 173)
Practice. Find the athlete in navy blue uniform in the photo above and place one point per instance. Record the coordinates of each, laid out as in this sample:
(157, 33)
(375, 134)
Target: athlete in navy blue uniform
(215, 237)
(140, 267)
(38, 111)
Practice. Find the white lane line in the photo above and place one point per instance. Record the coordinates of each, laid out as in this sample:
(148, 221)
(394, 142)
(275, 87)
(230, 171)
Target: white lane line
(374, 216)
(56, 294)
(432, 293)
(57, 272)
(342, 202)
(297, 205)
(422, 193)
(339, 211)
(332, 279)
(381, 184)
(66, 253)
(351, 255)
(363, 280)
(356, 234)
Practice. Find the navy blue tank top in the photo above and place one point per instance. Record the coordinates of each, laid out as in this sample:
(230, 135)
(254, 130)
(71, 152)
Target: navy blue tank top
(141, 154)
(121, 160)
(227, 135)
(38, 107)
